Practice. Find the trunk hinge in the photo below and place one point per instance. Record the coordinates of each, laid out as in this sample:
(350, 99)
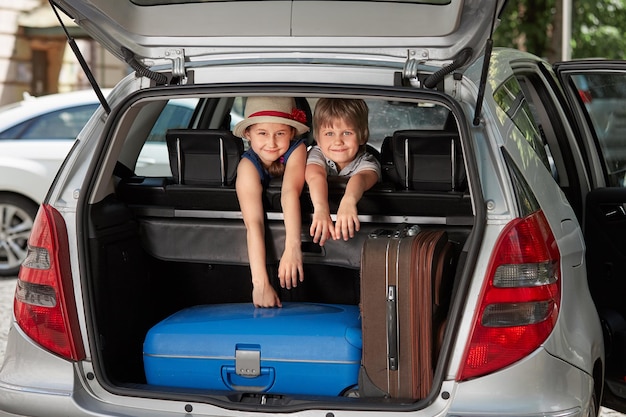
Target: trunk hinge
(177, 56)
(82, 62)
(485, 69)
(410, 71)
(178, 63)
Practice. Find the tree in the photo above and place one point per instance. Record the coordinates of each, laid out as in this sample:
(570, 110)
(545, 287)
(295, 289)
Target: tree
(535, 26)
(599, 25)
(526, 25)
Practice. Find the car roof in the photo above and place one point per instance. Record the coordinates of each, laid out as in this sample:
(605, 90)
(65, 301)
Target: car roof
(436, 30)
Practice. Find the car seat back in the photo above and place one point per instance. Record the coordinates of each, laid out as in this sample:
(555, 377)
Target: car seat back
(424, 160)
(203, 156)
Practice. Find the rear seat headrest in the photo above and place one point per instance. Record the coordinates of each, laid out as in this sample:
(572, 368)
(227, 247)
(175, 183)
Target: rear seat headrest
(203, 156)
(425, 160)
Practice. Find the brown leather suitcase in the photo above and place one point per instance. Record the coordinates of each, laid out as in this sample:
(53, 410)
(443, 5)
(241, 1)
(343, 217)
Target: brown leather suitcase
(402, 275)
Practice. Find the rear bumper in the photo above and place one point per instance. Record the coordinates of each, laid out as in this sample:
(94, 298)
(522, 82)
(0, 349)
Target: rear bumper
(35, 383)
(539, 385)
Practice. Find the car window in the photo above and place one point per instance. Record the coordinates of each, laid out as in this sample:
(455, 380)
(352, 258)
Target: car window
(236, 113)
(512, 100)
(385, 117)
(153, 159)
(604, 98)
(61, 124)
(175, 115)
(531, 101)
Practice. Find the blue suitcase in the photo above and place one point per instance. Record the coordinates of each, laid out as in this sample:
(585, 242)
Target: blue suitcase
(301, 348)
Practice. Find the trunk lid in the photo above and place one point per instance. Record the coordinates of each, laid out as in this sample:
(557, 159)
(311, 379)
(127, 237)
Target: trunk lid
(435, 30)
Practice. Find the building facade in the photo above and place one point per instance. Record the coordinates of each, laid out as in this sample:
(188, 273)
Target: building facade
(36, 59)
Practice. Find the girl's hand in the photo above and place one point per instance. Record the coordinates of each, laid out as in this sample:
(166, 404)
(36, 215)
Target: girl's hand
(263, 295)
(290, 267)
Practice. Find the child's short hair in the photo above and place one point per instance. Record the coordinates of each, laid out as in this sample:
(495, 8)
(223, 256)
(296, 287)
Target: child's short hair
(352, 111)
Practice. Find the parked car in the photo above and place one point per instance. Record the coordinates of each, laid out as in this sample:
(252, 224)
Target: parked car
(35, 136)
(532, 322)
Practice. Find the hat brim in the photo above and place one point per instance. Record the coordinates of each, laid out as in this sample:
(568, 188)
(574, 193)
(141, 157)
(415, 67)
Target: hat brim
(240, 128)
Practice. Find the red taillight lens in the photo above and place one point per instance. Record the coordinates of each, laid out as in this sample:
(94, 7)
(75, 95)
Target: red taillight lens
(520, 299)
(44, 303)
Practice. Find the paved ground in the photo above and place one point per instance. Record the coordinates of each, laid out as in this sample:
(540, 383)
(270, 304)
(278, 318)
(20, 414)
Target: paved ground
(7, 289)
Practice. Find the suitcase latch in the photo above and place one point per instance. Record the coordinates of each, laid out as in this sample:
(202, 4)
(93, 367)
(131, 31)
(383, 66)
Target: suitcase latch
(247, 362)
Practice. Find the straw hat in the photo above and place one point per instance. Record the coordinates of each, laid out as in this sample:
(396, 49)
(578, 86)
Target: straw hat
(271, 110)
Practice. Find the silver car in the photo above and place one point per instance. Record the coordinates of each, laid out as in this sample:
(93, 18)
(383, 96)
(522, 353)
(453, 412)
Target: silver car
(531, 323)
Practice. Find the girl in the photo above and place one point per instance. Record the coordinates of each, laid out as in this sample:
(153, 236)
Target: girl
(271, 124)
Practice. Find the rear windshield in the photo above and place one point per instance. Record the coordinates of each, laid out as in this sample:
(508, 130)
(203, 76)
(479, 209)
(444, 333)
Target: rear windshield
(385, 118)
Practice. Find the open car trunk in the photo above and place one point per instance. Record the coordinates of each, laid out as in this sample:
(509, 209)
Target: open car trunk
(163, 244)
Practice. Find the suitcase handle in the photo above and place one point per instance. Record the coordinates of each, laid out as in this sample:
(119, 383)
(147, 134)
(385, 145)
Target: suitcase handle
(392, 327)
(260, 383)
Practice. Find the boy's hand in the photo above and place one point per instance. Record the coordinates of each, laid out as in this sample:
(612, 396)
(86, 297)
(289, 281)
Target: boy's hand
(347, 222)
(263, 295)
(290, 267)
(322, 228)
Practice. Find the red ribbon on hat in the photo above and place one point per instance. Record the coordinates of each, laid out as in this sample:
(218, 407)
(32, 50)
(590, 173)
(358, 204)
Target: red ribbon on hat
(296, 114)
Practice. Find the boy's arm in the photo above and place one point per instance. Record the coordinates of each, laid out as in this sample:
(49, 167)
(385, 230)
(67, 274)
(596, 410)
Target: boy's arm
(249, 193)
(322, 225)
(290, 266)
(347, 215)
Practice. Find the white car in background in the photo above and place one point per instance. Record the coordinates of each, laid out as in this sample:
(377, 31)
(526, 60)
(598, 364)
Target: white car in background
(36, 134)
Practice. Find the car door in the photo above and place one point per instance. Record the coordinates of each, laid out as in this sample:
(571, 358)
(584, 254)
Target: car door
(596, 95)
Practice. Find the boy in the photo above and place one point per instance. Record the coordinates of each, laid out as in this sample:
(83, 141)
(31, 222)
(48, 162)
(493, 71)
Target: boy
(341, 132)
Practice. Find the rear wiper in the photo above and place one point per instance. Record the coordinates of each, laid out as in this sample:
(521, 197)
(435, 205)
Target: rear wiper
(82, 62)
(485, 69)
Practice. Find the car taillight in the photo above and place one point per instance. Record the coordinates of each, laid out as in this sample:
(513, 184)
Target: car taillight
(44, 304)
(520, 299)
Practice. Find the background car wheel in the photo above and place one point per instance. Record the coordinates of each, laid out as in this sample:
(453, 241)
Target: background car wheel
(17, 215)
